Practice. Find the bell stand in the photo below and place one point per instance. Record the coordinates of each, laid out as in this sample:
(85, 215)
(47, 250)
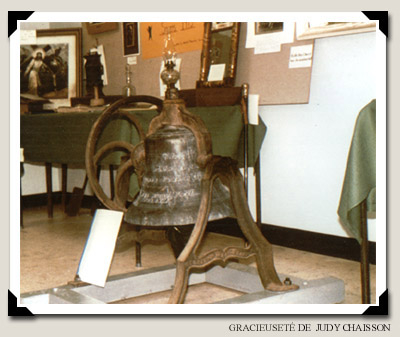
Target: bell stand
(175, 113)
(216, 96)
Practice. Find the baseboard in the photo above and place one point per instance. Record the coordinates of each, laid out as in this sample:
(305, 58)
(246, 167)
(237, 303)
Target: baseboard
(40, 200)
(330, 245)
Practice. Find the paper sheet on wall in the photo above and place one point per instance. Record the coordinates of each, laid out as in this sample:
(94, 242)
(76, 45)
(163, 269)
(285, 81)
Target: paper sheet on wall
(216, 72)
(100, 50)
(99, 250)
(253, 109)
(301, 56)
(187, 36)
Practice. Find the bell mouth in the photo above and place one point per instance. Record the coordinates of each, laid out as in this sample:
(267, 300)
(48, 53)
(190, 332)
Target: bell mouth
(144, 212)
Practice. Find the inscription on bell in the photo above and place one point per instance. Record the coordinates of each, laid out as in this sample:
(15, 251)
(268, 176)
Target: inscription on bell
(173, 178)
(180, 166)
(167, 196)
(171, 184)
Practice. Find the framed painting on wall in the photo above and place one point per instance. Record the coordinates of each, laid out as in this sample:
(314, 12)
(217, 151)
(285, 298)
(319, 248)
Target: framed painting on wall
(51, 65)
(315, 30)
(221, 25)
(130, 31)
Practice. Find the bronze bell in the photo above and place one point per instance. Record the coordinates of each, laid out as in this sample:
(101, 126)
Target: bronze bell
(171, 183)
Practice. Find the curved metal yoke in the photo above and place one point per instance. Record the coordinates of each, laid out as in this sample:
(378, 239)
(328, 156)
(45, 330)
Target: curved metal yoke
(94, 155)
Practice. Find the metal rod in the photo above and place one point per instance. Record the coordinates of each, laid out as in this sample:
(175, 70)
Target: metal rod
(245, 96)
(138, 254)
(21, 208)
(365, 276)
(49, 187)
(112, 186)
(257, 173)
(64, 168)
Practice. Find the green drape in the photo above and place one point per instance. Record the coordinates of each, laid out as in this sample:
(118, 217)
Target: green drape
(360, 178)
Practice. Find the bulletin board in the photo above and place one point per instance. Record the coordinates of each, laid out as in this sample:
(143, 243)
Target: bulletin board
(269, 74)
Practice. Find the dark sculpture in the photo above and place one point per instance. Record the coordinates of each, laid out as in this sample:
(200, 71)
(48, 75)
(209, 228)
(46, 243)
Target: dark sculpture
(94, 71)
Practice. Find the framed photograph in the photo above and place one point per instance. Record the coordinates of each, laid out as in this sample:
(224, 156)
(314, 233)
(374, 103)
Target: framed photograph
(267, 27)
(100, 27)
(221, 25)
(310, 30)
(130, 32)
(51, 65)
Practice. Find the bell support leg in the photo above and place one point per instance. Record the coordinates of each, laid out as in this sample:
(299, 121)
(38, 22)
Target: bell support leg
(227, 171)
(260, 245)
(183, 263)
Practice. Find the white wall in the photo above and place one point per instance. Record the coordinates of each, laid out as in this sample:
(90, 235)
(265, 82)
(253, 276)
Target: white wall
(303, 158)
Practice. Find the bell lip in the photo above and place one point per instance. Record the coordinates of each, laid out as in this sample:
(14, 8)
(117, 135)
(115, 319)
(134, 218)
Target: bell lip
(191, 219)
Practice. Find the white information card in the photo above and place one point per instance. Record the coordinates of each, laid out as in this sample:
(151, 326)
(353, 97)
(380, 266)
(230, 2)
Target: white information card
(99, 250)
(216, 72)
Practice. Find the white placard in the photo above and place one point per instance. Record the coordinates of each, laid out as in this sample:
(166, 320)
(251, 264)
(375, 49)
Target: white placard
(253, 109)
(301, 56)
(99, 250)
(131, 60)
(216, 72)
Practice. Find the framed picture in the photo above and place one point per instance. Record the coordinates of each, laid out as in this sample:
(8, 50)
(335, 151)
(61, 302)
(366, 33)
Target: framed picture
(221, 25)
(130, 31)
(267, 27)
(310, 30)
(100, 27)
(219, 55)
(51, 65)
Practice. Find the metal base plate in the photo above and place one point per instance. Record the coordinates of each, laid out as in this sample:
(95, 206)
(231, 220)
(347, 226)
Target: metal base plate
(235, 276)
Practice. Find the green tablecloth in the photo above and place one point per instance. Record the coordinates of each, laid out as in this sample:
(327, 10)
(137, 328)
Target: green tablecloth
(62, 137)
(360, 179)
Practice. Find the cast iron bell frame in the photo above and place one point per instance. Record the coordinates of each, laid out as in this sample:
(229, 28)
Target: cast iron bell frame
(175, 113)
